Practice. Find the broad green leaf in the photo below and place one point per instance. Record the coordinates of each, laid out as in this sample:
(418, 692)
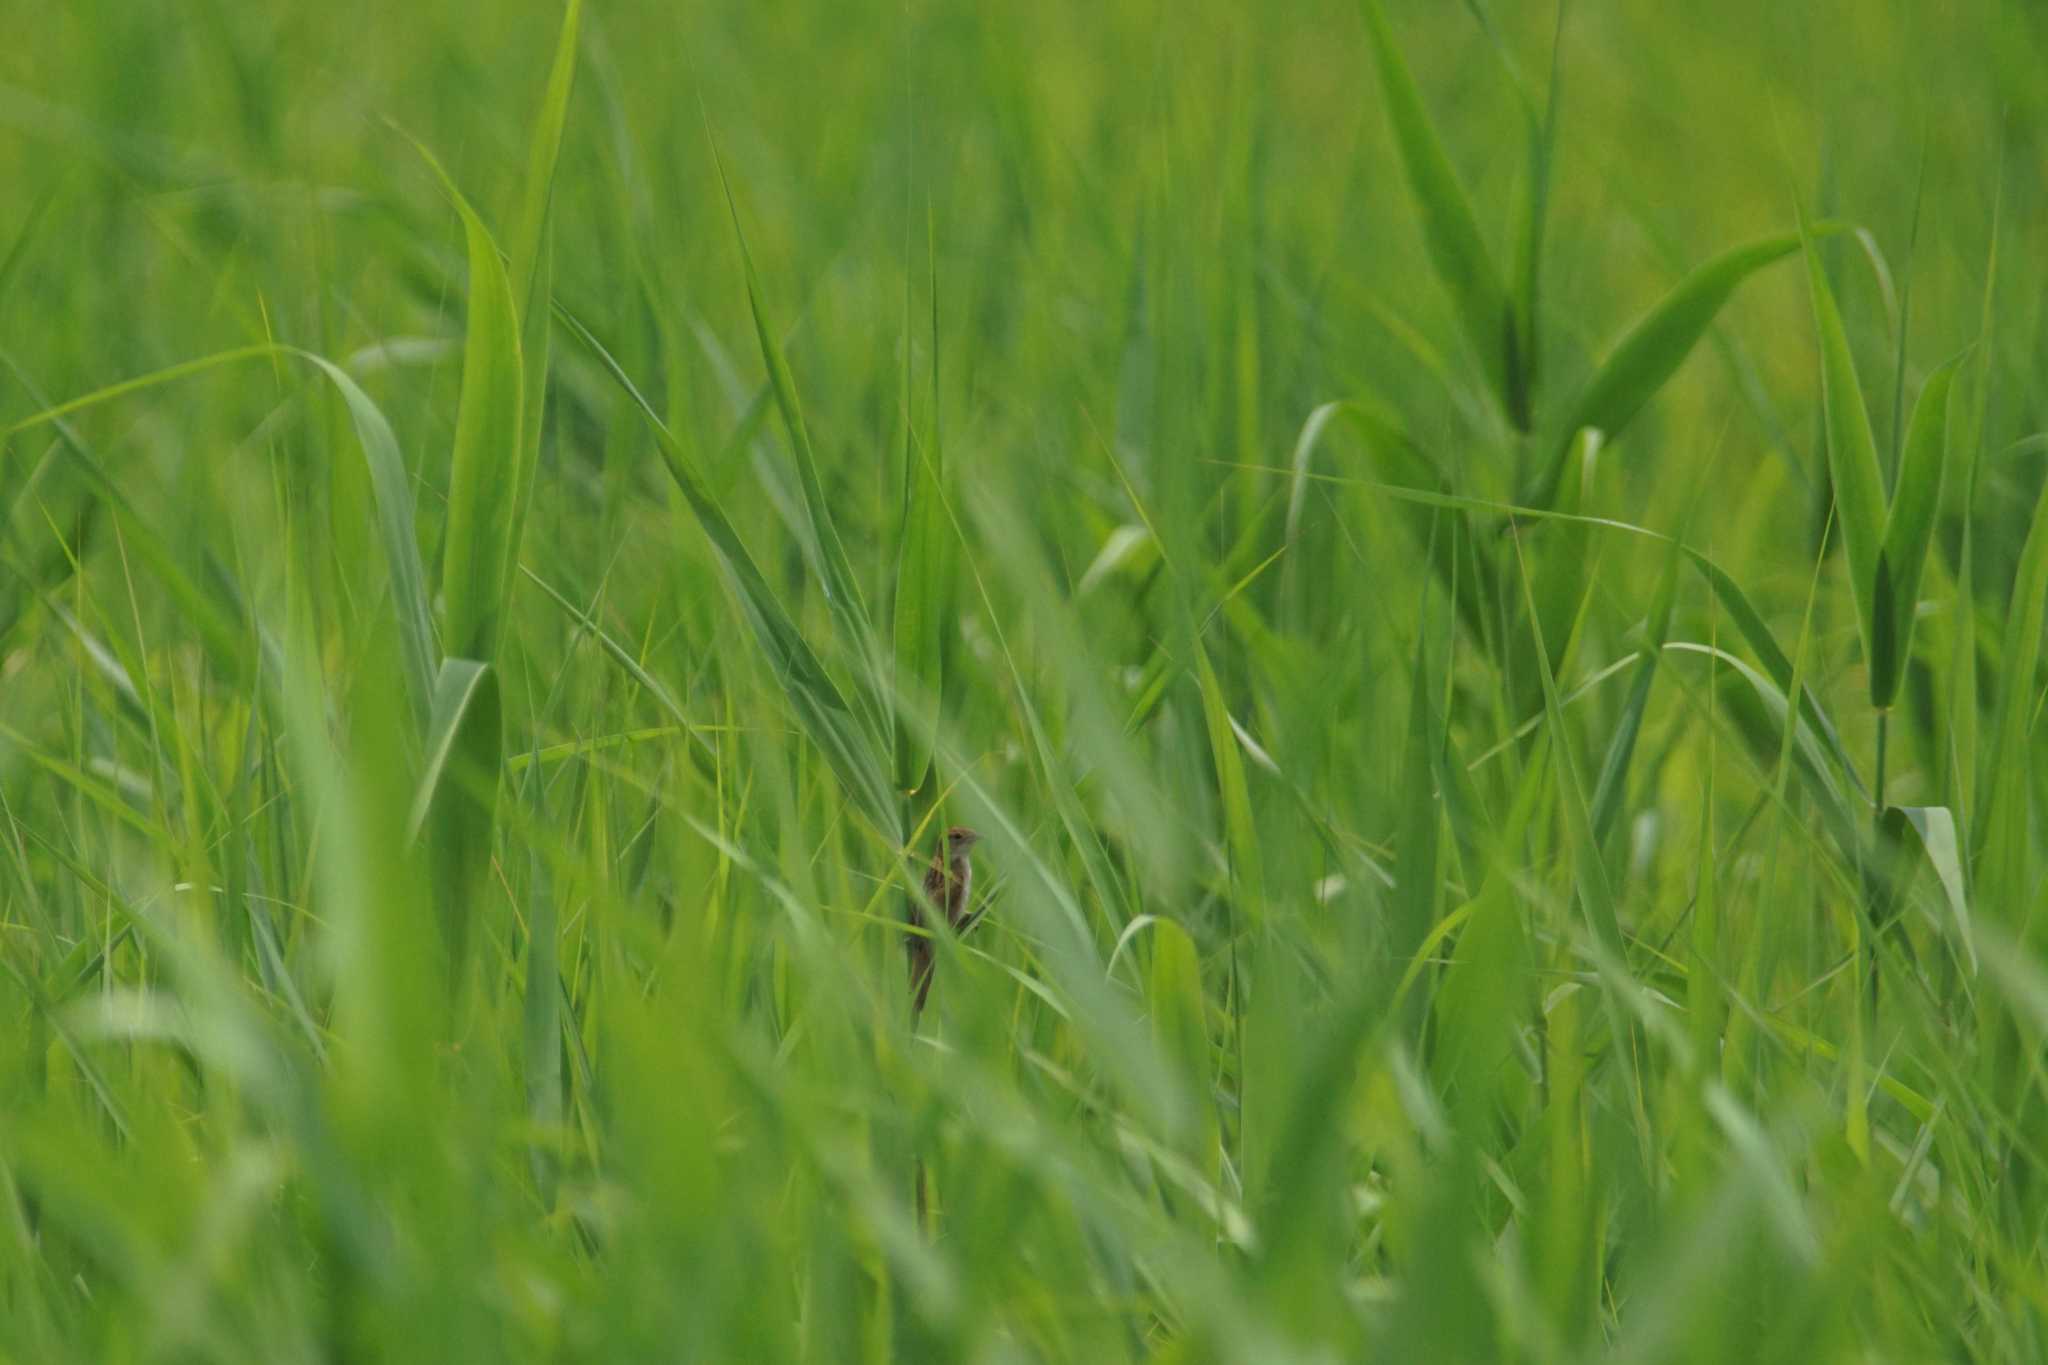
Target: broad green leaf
(1179, 1011)
(1909, 531)
(1482, 1002)
(1450, 230)
(483, 474)
(1852, 457)
(1650, 352)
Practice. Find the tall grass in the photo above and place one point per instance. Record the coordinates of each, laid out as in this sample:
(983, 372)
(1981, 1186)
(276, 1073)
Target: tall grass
(1480, 571)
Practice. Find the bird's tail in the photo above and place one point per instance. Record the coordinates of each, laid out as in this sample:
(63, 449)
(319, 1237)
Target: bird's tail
(921, 965)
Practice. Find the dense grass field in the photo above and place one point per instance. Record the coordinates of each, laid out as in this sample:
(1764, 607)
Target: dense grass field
(1478, 568)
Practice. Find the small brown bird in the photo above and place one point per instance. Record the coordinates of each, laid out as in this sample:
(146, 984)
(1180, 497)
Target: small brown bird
(946, 884)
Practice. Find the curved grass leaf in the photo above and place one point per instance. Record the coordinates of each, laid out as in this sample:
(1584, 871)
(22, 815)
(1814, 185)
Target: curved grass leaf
(463, 690)
(1777, 664)
(483, 477)
(390, 484)
(1759, 709)
(1450, 230)
(1612, 783)
(850, 746)
(391, 491)
(1936, 828)
(1650, 352)
(842, 590)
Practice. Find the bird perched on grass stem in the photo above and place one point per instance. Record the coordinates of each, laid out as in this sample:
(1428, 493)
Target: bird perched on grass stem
(946, 884)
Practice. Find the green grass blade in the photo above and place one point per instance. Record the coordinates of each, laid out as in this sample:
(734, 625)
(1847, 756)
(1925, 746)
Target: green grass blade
(527, 243)
(1777, 664)
(1852, 463)
(2002, 815)
(391, 492)
(923, 572)
(1650, 352)
(1612, 784)
(1241, 829)
(1450, 229)
(1416, 879)
(842, 589)
(531, 251)
(1596, 894)
(1532, 213)
(391, 489)
(1173, 993)
(1936, 828)
(850, 746)
(1910, 528)
(463, 691)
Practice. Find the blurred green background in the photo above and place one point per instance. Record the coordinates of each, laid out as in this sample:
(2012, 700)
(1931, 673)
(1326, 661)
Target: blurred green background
(1411, 932)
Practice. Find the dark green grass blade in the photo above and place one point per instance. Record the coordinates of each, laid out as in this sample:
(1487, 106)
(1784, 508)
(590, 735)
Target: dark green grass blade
(1450, 229)
(842, 589)
(1852, 458)
(1909, 531)
(924, 569)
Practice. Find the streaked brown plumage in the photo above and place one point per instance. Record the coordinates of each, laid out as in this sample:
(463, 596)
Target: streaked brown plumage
(946, 884)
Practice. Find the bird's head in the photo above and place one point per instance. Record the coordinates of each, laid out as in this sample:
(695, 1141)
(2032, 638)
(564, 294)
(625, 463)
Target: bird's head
(959, 839)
